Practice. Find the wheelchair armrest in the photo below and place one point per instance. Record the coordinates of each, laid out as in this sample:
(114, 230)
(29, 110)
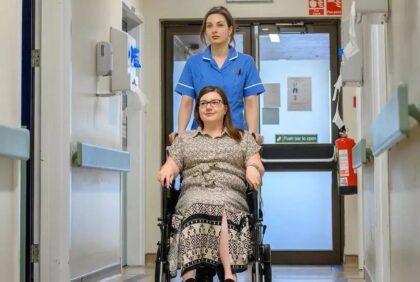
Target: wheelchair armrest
(169, 200)
(253, 200)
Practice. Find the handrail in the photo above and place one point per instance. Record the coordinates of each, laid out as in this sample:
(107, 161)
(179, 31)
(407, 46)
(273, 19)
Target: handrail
(93, 156)
(391, 125)
(14, 142)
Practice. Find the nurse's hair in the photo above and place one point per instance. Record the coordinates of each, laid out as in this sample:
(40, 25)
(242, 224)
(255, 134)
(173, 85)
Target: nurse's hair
(235, 133)
(229, 20)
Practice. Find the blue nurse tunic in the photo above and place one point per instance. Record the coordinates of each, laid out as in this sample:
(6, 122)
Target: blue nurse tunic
(238, 77)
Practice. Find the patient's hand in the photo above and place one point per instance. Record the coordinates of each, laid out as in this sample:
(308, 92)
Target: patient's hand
(166, 176)
(253, 177)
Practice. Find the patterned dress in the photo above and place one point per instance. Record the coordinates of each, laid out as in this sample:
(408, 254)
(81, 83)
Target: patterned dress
(213, 179)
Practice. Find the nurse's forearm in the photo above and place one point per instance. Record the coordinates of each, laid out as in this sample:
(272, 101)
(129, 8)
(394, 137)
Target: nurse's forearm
(184, 114)
(251, 113)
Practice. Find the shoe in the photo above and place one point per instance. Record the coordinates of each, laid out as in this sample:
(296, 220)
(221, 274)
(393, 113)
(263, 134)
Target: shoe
(229, 280)
(190, 280)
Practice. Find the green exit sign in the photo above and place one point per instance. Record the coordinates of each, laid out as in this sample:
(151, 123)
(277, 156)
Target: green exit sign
(296, 138)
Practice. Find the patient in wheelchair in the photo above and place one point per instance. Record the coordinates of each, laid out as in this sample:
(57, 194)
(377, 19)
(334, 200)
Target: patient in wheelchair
(211, 223)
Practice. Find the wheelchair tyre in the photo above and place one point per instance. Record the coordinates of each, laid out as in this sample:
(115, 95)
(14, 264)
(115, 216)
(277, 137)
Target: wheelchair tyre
(161, 273)
(267, 263)
(255, 277)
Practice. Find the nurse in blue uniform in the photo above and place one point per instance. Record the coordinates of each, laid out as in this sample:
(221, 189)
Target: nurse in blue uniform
(221, 65)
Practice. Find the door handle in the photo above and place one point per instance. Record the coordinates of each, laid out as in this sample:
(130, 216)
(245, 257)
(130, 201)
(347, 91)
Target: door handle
(327, 160)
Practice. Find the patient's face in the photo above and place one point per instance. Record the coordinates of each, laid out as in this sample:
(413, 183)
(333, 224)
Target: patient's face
(212, 108)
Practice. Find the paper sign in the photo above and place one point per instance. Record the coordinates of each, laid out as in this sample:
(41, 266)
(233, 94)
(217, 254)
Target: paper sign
(316, 7)
(334, 7)
(272, 95)
(299, 94)
(270, 116)
(296, 139)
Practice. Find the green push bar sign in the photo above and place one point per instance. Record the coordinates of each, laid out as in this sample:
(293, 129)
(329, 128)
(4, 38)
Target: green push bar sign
(296, 139)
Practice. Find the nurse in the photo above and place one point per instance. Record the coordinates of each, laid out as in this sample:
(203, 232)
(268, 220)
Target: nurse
(221, 65)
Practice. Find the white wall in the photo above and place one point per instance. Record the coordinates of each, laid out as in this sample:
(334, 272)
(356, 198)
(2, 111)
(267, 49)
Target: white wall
(351, 242)
(95, 194)
(10, 78)
(186, 9)
(404, 161)
(402, 44)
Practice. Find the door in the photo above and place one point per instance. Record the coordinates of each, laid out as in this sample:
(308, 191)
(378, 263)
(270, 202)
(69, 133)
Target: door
(301, 206)
(298, 65)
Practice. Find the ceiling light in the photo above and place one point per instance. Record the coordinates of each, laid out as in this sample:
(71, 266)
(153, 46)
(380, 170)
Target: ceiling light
(274, 37)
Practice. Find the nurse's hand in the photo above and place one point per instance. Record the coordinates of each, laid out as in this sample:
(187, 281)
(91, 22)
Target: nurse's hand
(259, 138)
(172, 137)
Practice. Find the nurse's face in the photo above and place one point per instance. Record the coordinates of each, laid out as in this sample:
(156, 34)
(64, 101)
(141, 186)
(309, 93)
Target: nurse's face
(217, 29)
(212, 109)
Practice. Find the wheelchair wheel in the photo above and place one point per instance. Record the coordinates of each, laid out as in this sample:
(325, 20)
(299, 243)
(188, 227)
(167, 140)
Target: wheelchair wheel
(267, 262)
(257, 277)
(161, 268)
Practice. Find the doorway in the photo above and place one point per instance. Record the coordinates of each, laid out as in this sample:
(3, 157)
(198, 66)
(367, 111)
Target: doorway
(298, 64)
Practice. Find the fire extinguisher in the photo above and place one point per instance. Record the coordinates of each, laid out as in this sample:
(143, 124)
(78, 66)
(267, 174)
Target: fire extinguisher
(347, 177)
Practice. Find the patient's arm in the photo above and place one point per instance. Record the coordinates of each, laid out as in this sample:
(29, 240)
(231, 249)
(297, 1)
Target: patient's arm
(168, 172)
(254, 171)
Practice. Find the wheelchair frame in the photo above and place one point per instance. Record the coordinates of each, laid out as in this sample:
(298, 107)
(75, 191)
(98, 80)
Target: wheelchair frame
(261, 262)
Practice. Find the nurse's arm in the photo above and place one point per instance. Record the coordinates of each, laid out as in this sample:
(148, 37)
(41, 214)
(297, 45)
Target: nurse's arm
(251, 113)
(184, 114)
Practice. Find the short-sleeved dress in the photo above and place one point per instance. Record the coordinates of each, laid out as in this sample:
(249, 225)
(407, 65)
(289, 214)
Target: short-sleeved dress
(213, 179)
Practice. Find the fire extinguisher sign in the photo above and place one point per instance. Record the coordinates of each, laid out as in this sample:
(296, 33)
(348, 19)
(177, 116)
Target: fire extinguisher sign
(343, 163)
(316, 7)
(334, 7)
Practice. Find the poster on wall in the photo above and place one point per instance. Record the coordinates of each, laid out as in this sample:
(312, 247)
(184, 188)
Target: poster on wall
(299, 94)
(316, 7)
(334, 7)
(272, 95)
(270, 116)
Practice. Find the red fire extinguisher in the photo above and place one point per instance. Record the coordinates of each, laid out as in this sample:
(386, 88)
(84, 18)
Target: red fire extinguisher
(347, 177)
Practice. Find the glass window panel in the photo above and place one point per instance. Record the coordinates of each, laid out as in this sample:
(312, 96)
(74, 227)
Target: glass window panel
(298, 210)
(297, 70)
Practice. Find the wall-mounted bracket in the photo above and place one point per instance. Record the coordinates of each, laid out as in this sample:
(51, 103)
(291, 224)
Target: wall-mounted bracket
(414, 112)
(376, 11)
(361, 154)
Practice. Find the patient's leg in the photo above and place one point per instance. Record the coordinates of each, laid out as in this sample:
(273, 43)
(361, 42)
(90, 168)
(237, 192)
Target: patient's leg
(188, 275)
(224, 248)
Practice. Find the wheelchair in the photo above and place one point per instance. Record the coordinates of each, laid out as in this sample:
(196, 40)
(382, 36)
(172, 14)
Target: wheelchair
(261, 258)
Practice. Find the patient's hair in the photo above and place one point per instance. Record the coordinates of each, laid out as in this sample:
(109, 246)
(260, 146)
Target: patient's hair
(235, 133)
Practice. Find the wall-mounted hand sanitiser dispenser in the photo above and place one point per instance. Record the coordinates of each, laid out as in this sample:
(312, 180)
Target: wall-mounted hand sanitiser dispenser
(104, 59)
(126, 62)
